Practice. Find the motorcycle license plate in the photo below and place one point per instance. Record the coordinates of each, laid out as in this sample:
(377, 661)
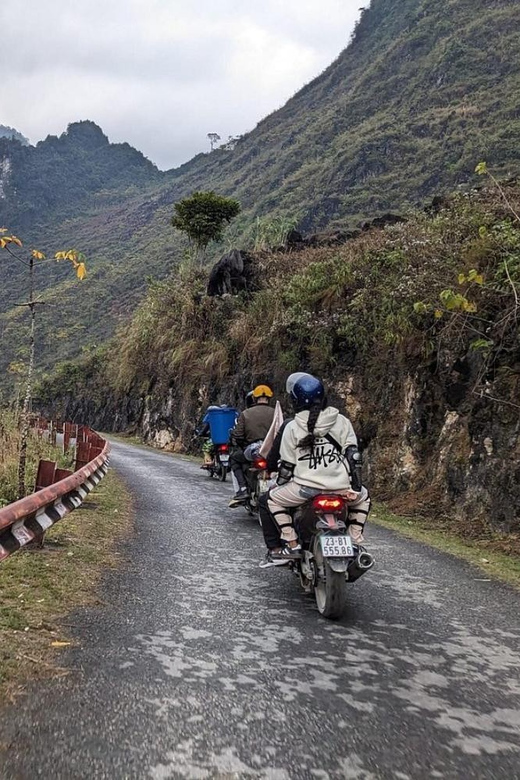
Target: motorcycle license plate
(263, 485)
(337, 546)
(224, 459)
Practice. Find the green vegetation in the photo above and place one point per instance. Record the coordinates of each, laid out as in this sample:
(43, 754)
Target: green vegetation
(425, 90)
(39, 587)
(203, 217)
(379, 297)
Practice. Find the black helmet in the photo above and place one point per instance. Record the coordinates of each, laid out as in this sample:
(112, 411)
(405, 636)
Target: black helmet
(307, 392)
(250, 400)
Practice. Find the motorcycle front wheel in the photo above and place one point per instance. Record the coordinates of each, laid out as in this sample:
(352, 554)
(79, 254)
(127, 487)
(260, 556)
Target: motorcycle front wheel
(330, 589)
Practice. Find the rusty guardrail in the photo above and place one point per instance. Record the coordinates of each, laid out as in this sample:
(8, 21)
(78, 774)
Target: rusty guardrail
(58, 491)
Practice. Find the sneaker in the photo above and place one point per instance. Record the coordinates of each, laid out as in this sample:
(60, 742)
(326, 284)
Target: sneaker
(239, 498)
(269, 561)
(288, 553)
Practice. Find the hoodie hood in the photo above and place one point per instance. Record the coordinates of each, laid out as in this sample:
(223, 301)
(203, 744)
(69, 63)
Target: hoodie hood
(326, 421)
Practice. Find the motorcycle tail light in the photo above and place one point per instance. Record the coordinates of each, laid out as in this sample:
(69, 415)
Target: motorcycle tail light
(328, 504)
(223, 448)
(260, 464)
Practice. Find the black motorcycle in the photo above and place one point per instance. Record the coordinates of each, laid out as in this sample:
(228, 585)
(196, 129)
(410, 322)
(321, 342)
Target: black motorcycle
(257, 478)
(220, 466)
(330, 561)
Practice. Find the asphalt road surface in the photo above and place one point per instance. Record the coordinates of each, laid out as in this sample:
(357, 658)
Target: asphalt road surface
(201, 665)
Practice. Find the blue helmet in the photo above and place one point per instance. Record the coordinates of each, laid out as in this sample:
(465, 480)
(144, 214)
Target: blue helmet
(306, 392)
(292, 379)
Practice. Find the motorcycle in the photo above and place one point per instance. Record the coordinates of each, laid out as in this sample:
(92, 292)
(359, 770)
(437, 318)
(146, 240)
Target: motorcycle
(330, 561)
(220, 466)
(257, 478)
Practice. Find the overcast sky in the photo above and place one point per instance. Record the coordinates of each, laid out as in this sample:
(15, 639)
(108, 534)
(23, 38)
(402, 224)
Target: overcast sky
(161, 74)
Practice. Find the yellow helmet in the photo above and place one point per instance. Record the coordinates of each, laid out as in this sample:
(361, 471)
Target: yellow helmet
(262, 391)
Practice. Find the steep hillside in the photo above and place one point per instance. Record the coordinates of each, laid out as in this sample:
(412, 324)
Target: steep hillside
(415, 329)
(425, 90)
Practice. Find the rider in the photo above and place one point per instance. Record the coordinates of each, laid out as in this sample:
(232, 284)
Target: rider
(270, 530)
(204, 432)
(251, 427)
(318, 452)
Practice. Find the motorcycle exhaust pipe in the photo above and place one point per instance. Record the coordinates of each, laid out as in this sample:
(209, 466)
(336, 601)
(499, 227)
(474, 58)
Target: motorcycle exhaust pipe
(360, 565)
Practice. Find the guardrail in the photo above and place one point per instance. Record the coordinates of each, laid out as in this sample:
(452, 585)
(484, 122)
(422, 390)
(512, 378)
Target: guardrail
(58, 492)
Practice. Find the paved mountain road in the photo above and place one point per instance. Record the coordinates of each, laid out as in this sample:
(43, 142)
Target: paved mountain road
(201, 665)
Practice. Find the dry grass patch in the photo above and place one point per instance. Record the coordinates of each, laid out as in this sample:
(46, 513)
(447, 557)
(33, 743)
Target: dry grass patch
(497, 555)
(38, 588)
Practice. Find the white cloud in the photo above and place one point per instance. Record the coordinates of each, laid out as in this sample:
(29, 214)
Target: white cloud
(160, 74)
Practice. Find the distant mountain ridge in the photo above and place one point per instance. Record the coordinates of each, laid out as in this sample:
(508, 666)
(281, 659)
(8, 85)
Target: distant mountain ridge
(61, 174)
(15, 135)
(425, 90)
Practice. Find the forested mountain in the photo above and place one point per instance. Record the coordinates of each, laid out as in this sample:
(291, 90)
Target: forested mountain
(425, 90)
(10, 132)
(61, 175)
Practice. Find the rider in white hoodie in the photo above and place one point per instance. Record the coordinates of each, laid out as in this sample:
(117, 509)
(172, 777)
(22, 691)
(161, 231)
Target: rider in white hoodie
(317, 454)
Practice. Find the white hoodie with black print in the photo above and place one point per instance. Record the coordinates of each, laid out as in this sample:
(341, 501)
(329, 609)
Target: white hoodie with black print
(325, 467)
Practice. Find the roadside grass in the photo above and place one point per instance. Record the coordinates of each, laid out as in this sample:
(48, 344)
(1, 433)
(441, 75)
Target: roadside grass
(38, 588)
(488, 554)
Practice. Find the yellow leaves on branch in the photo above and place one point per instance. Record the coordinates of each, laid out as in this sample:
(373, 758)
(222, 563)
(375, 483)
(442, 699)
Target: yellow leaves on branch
(76, 258)
(5, 240)
(453, 301)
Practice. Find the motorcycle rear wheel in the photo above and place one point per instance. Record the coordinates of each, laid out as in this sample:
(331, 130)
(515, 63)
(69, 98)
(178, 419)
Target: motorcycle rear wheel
(222, 472)
(330, 589)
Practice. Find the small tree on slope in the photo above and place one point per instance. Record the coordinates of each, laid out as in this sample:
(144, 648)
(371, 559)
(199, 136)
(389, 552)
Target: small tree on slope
(203, 216)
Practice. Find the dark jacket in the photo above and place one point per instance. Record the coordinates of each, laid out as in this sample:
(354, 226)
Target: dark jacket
(252, 425)
(273, 457)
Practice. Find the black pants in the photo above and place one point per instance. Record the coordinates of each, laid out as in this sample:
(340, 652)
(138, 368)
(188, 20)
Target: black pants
(270, 529)
(237, 463)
